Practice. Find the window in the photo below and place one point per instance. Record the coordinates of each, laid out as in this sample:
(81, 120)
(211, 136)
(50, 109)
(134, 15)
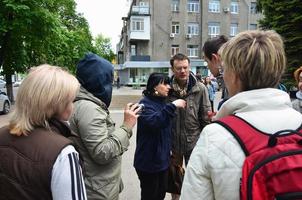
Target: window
(192, 50)
(253, 27)
(137, 24)
(253, 9)
(174, 50)
(175, 6)
(133, 50)
(214, 6)
(234, 7)
(175, 27)
(193, 6)
(193, 29)
(233, 29)
(213, 29)
(143, 4)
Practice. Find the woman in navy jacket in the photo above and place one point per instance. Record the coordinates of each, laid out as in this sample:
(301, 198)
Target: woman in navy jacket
(153, 144)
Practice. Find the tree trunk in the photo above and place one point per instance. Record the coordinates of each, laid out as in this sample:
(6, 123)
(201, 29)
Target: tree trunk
(9, 88)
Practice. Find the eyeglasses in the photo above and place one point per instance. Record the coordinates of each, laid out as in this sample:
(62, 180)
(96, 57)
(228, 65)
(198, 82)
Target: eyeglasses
(179, 69)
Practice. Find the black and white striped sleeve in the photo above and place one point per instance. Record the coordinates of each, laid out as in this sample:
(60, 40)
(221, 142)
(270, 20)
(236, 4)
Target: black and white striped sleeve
(67, 180)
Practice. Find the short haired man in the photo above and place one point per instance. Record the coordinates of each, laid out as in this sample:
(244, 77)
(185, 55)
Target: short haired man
(189, 121)
(210, 52)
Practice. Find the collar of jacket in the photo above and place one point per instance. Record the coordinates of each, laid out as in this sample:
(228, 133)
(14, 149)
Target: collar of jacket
(60, 127)
(83, 94)
(191, 89)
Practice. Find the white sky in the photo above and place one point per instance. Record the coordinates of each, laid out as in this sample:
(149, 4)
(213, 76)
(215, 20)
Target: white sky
(105, 17)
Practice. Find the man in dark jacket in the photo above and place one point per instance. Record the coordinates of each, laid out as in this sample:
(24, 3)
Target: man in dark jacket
(189, 121)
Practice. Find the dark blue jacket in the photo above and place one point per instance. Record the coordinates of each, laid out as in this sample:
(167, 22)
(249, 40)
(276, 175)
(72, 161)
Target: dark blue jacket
(153, 140)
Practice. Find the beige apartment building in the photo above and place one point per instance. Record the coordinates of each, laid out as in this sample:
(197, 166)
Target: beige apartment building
(155, 30)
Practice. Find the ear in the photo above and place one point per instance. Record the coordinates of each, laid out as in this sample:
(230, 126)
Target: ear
(172, 68)
(214, 56)
(237, 82)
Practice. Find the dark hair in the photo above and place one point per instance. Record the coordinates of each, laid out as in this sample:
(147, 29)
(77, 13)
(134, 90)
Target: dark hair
(153, 80)
(178, 56)
(212, 45)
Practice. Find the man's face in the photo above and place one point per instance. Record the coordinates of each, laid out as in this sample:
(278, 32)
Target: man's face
(213, 64)
(181, 70)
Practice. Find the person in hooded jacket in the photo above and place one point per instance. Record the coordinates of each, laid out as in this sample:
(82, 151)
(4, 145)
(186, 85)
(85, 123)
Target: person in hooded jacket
(100, 143)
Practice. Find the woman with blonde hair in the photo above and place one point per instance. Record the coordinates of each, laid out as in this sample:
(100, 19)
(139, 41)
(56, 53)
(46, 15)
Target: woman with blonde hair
(253, 63)
(38, 161)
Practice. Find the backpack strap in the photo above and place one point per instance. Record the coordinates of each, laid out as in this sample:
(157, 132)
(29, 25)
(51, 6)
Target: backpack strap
(249, 138)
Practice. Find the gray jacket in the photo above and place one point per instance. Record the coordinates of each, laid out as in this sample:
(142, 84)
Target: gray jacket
(189, 122)
(100, 145)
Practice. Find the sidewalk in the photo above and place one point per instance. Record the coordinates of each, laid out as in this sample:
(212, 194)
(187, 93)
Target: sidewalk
(124, 95)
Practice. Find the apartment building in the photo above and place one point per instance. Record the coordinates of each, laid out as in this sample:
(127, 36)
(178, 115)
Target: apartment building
(155, 30)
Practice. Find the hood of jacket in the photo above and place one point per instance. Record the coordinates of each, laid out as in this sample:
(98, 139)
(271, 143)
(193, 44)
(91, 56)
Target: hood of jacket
(83, 94)
(96, 75)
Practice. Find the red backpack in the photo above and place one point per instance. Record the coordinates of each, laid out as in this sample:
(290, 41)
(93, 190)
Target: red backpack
(273, 165)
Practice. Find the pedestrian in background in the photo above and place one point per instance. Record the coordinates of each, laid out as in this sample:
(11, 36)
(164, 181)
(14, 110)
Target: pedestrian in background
(210, 51)
(253, 63)
(118, 82)
(189, 121)
(153, 142)
(38, 161)
(297, 103)
(99, 142)
(211, 91)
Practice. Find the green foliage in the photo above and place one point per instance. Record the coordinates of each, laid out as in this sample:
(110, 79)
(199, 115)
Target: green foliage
(285, 17)
(46, 31)
(35, 32)
(103, 47)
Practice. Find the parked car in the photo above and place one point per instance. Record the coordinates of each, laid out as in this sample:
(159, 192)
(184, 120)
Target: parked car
(4, 103)
(2, 84)
(17, 83)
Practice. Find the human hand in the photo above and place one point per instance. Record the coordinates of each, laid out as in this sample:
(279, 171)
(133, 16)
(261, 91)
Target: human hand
(180, 103)
(131, 114)
(211, 115)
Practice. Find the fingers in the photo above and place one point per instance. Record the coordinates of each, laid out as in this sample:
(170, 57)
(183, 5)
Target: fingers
(128, 106)
(133, 108)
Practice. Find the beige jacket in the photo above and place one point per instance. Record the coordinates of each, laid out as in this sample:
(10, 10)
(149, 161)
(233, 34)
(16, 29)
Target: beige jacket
(101, 146)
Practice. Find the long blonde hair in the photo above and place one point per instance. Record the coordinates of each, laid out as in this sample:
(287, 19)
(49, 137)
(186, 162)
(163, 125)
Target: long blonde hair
(43, 94)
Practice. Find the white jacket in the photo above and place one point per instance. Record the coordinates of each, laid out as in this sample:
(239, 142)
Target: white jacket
(214, 169)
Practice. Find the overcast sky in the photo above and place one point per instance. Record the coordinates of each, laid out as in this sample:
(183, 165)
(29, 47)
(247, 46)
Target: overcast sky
(104, 16)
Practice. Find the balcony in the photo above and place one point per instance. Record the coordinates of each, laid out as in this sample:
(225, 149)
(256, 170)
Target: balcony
(140, 58)
(140, 10)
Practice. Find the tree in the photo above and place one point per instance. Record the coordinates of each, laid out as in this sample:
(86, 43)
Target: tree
(285, 17)
(103, 48)
(35, 32)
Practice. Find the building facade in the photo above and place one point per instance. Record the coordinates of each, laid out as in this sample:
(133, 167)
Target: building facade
(155, 30)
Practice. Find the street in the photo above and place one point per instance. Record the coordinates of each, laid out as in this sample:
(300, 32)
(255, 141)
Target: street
(119, 99)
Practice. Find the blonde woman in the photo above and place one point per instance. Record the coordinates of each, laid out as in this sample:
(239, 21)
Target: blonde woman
(253, 63)
(37, 159)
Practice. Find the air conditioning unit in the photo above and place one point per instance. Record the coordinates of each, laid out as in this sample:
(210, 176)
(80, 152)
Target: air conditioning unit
(188, 36)
(226, 9)
(172, 35)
